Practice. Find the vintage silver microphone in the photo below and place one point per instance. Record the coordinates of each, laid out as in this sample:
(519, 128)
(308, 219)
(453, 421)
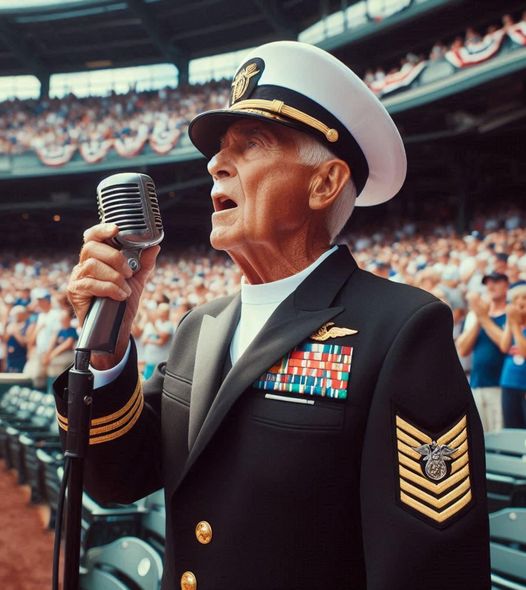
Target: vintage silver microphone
(129, 200)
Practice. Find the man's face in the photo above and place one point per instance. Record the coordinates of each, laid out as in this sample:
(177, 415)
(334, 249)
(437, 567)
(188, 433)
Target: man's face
(260, 192)
(497, 290)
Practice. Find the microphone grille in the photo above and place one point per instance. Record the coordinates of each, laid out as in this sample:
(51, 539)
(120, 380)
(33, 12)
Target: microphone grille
(130, 201)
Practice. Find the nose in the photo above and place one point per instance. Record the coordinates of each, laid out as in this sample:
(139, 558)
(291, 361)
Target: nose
(220, 165)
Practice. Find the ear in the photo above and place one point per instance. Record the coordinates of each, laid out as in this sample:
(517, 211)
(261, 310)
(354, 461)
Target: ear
(327, 183)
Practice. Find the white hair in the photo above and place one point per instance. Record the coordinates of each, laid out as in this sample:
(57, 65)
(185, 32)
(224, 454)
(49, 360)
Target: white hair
(313, 153)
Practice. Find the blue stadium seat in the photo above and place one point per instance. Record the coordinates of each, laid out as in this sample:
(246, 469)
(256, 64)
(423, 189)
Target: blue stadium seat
(506, 468)
(103, 524)
(153, 521)
(128, 561)
(508, 549)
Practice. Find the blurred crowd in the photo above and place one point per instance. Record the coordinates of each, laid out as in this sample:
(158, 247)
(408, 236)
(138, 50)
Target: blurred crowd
(55, 128)
(471, 39)
(70, 121)
(481, 275)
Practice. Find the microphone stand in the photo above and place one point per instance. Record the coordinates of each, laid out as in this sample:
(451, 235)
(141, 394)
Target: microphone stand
(100, 332)
(80, 389)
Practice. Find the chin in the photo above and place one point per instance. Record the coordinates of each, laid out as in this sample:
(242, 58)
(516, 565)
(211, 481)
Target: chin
(221, 239)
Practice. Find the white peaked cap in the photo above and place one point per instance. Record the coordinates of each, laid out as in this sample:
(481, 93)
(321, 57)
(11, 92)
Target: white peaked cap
(304, 87)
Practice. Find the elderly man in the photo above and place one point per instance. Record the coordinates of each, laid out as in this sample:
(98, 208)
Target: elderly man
(317, 430)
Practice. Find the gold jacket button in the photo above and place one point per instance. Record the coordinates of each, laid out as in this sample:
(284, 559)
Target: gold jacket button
(203, 532)
(188, 581)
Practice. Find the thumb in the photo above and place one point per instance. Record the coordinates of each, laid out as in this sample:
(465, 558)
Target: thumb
(148, 258)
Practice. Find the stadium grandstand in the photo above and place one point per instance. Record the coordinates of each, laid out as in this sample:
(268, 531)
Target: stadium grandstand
(89, 88)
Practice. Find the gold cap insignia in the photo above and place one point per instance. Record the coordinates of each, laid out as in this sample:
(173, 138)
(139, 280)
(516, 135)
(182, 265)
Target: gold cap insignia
(329, 330)
(433, 472)
(241, 82)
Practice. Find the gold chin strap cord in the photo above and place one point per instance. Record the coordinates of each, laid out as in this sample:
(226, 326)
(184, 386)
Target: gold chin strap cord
(278, 107)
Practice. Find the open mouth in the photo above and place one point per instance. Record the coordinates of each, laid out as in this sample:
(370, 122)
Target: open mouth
(222, 203)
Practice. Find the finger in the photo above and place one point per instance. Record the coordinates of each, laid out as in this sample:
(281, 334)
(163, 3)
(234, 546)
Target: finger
(96, 269)
(101, 232)
(88, 286)
(149, 256)
(106, 254)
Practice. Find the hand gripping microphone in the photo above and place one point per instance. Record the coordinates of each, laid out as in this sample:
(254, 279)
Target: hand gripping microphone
(129, 200)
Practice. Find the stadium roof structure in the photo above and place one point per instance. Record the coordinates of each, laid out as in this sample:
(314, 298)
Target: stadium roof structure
(42, 38)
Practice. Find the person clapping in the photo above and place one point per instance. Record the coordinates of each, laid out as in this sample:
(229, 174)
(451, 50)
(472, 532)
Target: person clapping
(513, 342)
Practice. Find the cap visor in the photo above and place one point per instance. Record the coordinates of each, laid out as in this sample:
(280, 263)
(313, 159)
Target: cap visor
(207, 129)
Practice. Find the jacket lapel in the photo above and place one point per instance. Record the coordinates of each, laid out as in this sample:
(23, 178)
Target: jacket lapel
(212, 347)
(294, 320)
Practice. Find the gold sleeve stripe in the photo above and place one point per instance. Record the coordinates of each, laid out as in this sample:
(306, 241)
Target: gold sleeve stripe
(62, 422)
(117, 423)
(459, 463)
(110, 417)
(409, 451)
(414, 465)
(95, 440)
(460, 450)
(401, 435)
(461, 438)
(434, 502)
(433, 514)
(436, 488)
(421, 437)
(451, 434)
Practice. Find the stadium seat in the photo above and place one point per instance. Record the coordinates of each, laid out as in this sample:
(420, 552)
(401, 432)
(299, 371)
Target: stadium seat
(128, 561)
(12, 402)
(153, 521)
(103, 524)
(34, 470)
(98, 579)
(506, 468)
(51, 461)
(41, 427)
(508, 549)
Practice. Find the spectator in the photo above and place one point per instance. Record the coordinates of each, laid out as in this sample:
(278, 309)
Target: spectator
(481, 337)
(41, 337)
(437, 51)
(513, 342)
(500, 263)
(156, 338)
(507, 21)
(61, 352)
(16, 340)
(472, 37)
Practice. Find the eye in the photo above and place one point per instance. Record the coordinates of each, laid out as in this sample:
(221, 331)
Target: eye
(253, 142)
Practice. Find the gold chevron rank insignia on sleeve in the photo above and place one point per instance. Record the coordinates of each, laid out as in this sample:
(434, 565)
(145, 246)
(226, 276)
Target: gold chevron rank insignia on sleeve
(433, 471)
(329, 330)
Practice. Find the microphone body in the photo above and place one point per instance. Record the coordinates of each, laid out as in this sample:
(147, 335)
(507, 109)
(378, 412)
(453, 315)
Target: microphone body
(130, 201)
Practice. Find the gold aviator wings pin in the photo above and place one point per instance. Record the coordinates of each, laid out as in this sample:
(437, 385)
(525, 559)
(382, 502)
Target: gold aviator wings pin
(329, 330)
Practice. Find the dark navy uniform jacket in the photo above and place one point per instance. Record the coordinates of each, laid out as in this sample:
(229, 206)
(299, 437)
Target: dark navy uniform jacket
(343, 493)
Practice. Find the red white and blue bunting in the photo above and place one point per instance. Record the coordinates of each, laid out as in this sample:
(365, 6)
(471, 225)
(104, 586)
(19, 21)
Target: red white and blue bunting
(55, 155)
(95, 150)
(164, 138)
(405, 77)
(470, 54)
(475, 53)
(162, 142)
(517, 33)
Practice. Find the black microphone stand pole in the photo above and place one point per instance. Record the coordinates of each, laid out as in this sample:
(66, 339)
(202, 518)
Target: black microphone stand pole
(80, 389)
(100, 332)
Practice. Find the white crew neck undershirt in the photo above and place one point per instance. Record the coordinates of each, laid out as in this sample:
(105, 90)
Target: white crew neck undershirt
(258, 303)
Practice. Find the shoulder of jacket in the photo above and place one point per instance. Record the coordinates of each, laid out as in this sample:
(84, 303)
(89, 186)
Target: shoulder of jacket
(212, 308)
(389, 292)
